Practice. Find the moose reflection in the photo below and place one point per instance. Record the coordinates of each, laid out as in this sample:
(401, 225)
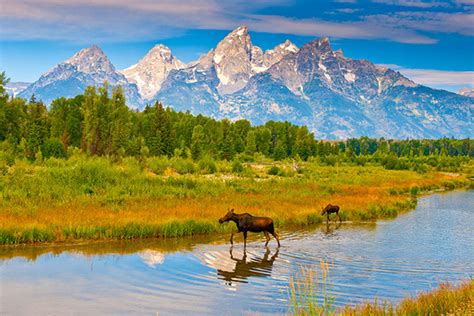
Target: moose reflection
(243, 269)
(328, 231)
(248, 223)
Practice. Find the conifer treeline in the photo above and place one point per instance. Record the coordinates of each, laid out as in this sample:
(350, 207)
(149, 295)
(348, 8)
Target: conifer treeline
(100, 123)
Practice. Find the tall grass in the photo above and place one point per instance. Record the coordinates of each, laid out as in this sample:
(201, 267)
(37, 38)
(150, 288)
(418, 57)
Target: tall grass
(94, 198)
(309, 293)
(447, 299)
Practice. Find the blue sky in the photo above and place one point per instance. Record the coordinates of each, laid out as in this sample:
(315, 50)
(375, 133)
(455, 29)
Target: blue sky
(429, 41)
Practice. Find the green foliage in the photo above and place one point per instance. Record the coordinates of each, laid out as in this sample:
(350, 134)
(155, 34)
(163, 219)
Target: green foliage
(237, 167)
(53, 148)
(207, 165)
(275, 171)
(183, 165)
(100, 123)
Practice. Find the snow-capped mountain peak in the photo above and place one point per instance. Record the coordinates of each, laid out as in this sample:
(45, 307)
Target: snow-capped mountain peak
(274, 55)
(150, 72)
(91, 60)
(236, 59)
(88, 67)
(335, 96)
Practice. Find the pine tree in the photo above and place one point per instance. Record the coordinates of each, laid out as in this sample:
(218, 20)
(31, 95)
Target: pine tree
(251, 143)
(197, 141)
(90, 137)
(37, 130)
(120, 123)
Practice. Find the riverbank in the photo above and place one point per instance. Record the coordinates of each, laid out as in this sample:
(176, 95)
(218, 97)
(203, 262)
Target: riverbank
(446, 299)
(94, 199)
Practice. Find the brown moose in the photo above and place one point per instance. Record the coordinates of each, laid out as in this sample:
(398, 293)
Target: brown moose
(248, 223)
(330, 209)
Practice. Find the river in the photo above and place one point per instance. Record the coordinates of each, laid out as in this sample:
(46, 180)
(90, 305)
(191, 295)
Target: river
(203, 275)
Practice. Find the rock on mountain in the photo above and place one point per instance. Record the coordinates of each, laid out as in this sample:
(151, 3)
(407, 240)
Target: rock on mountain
(272, 56)
(194, 88)
(88, 67)
(14, 88)
(336, 96)
(150, 72)
(467, 92)
(236, 59)
(208, 85)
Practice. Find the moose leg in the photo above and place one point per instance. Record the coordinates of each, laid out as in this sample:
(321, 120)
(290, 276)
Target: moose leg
(232, 238)
(340, 220)
(276, 237)
(245, 239)
(267, 236)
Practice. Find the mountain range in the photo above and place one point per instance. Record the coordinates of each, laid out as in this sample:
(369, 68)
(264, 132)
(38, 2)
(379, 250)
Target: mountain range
(335, 96)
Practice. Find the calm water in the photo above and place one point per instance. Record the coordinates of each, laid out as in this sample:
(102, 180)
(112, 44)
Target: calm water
(390, 260)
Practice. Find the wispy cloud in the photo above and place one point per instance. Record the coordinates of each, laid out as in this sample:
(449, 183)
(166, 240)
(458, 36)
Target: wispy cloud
(317, 27)
(124, 20)
(451, 80)
(461, 23)
(414, 3)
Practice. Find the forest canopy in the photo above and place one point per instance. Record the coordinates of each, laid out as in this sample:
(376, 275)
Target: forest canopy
(99, 122)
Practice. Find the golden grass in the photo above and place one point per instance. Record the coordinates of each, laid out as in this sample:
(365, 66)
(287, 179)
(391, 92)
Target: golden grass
(309, 295)
(447, 299)
(134, 203)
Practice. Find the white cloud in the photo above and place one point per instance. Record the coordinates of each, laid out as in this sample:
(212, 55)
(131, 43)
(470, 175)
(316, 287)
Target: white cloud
(124, 20)
(414, 3)
(451, 80)
(461, 23)
(317, 27)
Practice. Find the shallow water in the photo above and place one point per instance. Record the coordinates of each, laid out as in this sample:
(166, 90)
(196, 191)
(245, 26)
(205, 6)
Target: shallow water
(204, 275)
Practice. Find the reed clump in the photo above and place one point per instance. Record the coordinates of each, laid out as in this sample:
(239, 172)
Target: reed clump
(309, 292)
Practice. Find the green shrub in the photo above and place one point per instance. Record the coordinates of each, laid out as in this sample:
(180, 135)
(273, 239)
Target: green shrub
(207, 165)
(158, 164)
(243, 157)
(183, 165)
(53, 148)
(274, 171)
(237, 167)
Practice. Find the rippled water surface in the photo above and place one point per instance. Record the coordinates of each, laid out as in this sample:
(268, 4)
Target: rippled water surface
(390, 260)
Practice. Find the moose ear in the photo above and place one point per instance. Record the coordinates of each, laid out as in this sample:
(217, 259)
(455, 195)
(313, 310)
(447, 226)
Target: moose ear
(232, 210)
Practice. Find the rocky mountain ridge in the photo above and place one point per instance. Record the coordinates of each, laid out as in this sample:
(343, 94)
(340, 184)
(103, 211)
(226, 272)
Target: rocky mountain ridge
(335, 96)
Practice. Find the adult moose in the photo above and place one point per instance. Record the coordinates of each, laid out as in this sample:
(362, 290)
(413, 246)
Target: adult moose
(248, 223)
(330, 209)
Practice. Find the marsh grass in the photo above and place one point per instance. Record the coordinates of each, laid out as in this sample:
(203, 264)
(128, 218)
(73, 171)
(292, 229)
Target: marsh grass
(94, 198)
(309, 294)
(447, 299)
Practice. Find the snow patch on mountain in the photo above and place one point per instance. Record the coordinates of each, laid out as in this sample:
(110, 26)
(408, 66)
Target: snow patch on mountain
(150, 72)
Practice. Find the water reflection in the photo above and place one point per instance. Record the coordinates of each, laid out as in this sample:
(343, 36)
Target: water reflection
(151, 257)
(329, 229)
(245, 268)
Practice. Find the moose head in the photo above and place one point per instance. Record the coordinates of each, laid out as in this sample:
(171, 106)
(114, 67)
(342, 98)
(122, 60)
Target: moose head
(227, 217)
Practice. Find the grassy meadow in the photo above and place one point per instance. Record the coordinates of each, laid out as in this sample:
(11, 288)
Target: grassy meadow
(87, 197)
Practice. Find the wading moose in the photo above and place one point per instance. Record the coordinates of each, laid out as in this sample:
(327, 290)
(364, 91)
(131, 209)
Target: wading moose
(248, 223)
(330, 209)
